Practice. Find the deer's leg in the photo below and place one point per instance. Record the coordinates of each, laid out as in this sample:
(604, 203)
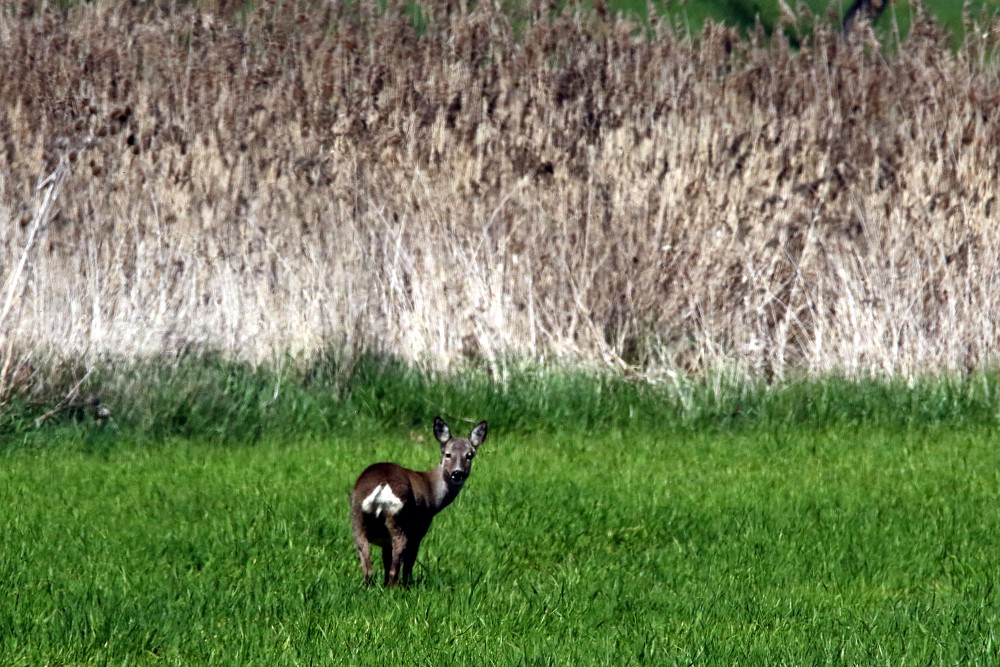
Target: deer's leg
(363, 547)
(409, 558)
(365, 556)
(392, 554)
(386, 563)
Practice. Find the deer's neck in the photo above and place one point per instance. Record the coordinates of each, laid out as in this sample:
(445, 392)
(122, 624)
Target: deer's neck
(443, 492)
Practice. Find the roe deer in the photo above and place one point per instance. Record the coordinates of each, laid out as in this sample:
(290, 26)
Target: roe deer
(393, 506)
(863, 9)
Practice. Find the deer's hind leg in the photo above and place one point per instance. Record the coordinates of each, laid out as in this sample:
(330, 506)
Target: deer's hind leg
(386, 563)
(393, 552)
(409, 560)
(362, 545)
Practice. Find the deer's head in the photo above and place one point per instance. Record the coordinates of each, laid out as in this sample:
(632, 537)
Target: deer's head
(457, 453)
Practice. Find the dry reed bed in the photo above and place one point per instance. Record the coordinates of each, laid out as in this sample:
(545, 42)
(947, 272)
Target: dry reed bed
(316, 175)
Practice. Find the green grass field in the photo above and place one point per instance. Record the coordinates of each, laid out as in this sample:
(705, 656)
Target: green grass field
(840, 544)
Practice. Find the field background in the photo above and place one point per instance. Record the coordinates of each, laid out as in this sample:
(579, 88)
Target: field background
(725, 293)
(829, 545)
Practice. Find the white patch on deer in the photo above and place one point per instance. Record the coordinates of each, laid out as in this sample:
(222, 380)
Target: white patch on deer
(381, 499)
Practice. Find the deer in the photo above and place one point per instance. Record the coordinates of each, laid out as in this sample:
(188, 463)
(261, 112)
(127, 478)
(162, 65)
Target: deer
(392, 506)
(863, 9)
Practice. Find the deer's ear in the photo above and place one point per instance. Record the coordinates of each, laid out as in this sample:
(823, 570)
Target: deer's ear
(478, 434)
(441, 430)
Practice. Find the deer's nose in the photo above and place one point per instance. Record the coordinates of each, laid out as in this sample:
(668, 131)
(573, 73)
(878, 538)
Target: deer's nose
(458, 476)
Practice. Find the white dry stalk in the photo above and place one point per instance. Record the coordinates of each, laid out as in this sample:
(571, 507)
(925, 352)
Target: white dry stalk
(756, 214)
(51, 185)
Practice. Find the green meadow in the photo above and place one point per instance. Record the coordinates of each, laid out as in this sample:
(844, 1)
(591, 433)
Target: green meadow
(803, 530)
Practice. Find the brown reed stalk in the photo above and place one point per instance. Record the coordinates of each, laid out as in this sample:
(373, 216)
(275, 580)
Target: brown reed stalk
(572, 188)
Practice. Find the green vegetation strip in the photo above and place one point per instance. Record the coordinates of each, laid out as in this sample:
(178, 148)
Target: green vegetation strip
(693, 13)
(780, 545)
(204, 397)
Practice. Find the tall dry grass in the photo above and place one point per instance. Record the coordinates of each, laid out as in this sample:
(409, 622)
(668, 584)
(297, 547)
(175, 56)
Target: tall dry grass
(576, 188)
